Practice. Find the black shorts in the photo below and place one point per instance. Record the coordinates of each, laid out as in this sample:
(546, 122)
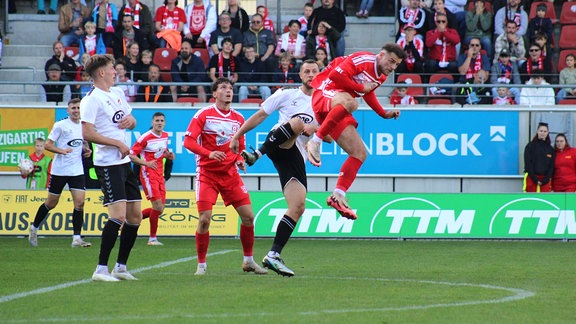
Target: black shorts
(289, 164)
(57, 183)
(119, 183)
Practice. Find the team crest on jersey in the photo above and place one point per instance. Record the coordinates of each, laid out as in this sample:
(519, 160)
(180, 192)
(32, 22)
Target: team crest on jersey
(75, 142)
(307, 119)
(118, 116)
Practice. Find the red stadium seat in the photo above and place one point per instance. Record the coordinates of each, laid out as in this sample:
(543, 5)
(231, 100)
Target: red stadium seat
(411, 78)
(109, 50)
(252, 100)
(550, 12)
(487, 6)
(567, 102)
(567, 37)
(191, 100)
(202, 53)
(562, 58)
(71, 52)
(163, 58)
(568, 13)
(439, 101)
(165, 76)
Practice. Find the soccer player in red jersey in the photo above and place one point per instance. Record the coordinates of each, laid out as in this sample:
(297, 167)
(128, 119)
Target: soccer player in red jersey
(208, 136)
(343, 80)
(149, 151)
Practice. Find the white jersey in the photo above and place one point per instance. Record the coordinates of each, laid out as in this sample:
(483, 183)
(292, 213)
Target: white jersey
(292, 103)
(67, 134)
(104, 110)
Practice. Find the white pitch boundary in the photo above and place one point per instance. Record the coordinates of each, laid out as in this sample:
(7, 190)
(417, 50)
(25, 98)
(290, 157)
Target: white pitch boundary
(44, 290)
(517, 294)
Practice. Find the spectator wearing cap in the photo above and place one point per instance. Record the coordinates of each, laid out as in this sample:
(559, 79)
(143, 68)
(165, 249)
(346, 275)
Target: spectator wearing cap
(414, 49)
(415, 14)
(441, 42)
(543, 94)
(479, 24)
(50, 92)
(66, 63)
(503, 72)
(513, 42)
(540, 24)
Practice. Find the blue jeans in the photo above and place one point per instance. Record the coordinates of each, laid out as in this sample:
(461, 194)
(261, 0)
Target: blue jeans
(340, 46)
(366, 5)
(243, 92)
(53, 5)
(70, 39)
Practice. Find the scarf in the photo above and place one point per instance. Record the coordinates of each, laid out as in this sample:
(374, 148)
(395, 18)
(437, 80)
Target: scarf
(505, 72)
(322, 42)
(170, 22)
(90, 44)
(292, 44)
(147, 93)
(410, 15)
(135, 13)
(474, 68)
(109, 27)
(513, 15)
(530, 62)
(221, 65)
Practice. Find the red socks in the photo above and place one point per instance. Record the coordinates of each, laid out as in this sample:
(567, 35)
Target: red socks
(154, 215)
(335, 116)
(348, 173)
(146, 213)
(247, 239)
(202, 242)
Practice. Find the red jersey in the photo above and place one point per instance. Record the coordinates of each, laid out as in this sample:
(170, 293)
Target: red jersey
(211, 129)
(151, 147)
(349, 74)
(564, 178)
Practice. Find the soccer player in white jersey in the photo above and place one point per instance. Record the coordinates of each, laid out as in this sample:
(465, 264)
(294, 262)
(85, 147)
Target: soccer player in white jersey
(105, 116)
(208, 136)
(66, 141)
(149, 152)
(285, 145)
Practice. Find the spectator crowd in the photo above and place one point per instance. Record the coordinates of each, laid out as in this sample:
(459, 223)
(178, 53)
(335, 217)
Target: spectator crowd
(461, 44)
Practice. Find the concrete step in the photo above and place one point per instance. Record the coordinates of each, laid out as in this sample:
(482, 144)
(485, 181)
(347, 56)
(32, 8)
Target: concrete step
(17, 88)
(21, 73)
(19, 98)
(43, 51)
(34, 61)
(24, 29)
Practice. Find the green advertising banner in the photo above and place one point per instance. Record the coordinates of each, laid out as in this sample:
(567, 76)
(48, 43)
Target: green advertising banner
(440, 216)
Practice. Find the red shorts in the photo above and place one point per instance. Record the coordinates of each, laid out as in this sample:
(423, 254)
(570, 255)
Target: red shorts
(322, 105)
(154, 187)
(229, 185)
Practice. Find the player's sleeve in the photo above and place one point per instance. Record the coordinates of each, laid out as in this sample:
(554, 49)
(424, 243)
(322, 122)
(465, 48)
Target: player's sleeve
(274, 102)
(139, 146)
(342, 75)
(55, 133)
(88, 110)
(191, 137)
(373, 102)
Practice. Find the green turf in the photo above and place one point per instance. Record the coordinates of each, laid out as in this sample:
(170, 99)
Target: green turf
(337, 281)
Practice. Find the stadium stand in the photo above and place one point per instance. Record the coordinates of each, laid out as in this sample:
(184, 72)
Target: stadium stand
(550, 12)
(567, 37)
(568, 13)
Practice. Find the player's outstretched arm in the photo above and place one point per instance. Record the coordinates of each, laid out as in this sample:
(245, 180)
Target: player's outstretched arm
(248, 125)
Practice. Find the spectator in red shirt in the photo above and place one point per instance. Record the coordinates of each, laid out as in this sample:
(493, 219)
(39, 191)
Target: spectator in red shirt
(564, 178)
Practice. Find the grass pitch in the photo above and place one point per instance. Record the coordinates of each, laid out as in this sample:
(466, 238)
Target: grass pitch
(337, 281)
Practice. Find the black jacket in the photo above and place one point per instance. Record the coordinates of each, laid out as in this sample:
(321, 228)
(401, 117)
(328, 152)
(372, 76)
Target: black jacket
(539, 160)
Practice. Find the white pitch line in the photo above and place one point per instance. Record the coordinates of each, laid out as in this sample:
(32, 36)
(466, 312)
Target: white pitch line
(518, 294)
(44, 290)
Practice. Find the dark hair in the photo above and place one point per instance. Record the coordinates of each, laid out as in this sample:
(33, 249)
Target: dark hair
(309, 4)
(73, 101)
(326, 61)
(259, 15)
(227, 40)
(294, 21)
(395, 49)
(537, 73)
(128, 15)
(166, 2)
(565, 139)
(157, 114)
(401, 85)
(547, 140)
(153, 65)
(220, 81)
(98, 61)
(187, 40)
(570, 55)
